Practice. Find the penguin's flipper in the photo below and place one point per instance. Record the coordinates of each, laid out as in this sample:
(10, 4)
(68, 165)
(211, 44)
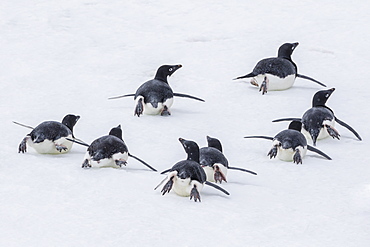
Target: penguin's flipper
(187, 96)
(126, 95)
(143, 162)
(348, 127)
(245, 76)
(241, 169)
(311, 79)
(78, 142)
(165, 171)
(262, 137)
(217, 187)
(312, 149)
(286, 119)
(23, 125)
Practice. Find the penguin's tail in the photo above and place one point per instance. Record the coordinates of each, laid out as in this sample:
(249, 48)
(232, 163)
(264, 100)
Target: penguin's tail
(122, 96)
(311, 79)
(245, 76)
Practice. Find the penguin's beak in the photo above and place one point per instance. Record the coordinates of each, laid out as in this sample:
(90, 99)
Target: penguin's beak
(295, 45)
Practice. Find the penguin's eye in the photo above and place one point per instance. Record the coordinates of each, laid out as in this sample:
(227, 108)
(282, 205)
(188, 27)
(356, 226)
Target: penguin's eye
(327, 95)
(170, 69)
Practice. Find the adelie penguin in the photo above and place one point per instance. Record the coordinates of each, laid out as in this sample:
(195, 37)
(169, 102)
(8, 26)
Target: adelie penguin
(214, 162)
(50, 137)
(290, 144)
(276, 73)
(108, 151)
(156, 96)
(186, 177)
(319, 121)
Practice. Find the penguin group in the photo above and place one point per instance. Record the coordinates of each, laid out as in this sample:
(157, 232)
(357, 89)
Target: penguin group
(207, 165)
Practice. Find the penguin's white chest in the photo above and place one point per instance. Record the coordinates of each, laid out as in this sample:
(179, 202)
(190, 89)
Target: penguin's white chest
(323, 131)
(150, 110)
(210, 171)
(287, 154)
(107, 162)
(275, 83)
(183, 187)
(48, 146)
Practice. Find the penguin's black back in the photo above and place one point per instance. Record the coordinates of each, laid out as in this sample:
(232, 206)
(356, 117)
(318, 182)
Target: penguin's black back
(276, 66)
(290, 138)
(190, 169)
(154, 91)
(50, 130)
(209, 156)
(106, 146)
(314, 117)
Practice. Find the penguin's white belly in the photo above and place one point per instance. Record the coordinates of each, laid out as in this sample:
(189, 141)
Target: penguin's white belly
(150, 110)
(210, 172)
(323, 132)
(183, 187)
(106, 162)
(287, 154)
(48, 146)
(275, 83)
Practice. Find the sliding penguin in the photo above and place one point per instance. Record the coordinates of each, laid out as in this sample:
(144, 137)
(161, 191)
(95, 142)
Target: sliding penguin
(276, 73)
(108, 151)
(187, 177)
(319, 121)
(156, 96)
(214, 161)
(50, 137)
(290, 144)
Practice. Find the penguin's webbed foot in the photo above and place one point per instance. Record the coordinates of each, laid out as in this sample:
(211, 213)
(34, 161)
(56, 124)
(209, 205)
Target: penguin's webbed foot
(254, 82)
(332, 132)
(219, 176)
(120, 162)
(86, 164)
(60, 148)
(165, 111)
(195, 194)
(263, 87)
(167, 187)
(297, 158)
(273, 152)
(23, 145)
(139, 108)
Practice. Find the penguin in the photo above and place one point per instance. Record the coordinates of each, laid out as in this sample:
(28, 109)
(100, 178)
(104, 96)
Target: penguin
(108, 151)
(214, 162)
(50, 137)
(187, 177)
(319, 121)
(156, 96)
(290, 144)
(277, 73)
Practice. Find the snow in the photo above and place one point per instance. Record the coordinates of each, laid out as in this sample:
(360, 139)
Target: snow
(70, 56)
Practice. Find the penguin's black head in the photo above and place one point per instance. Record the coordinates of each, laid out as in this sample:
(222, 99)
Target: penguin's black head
(191, 148)
(214, 143)
(166, 70)
(320, 98)
(116, 131)
(70, 120)
(286, 50)
(295, 125)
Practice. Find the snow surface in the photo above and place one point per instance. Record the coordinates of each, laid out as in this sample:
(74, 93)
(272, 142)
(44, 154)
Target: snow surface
(60, 57)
